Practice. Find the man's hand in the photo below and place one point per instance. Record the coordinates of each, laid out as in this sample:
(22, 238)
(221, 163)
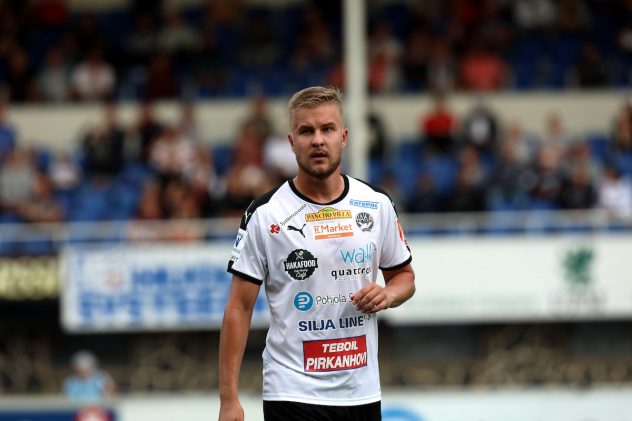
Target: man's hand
(372, 298)
(231, 411)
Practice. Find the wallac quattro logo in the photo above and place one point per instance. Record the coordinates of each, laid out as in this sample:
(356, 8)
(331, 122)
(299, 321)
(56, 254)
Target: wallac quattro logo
(303, 301)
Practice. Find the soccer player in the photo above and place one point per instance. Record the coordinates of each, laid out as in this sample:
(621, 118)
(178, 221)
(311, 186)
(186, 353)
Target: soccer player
(316, 243)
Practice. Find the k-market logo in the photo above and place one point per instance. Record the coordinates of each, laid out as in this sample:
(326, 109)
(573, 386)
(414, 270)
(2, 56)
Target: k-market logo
(300, 264)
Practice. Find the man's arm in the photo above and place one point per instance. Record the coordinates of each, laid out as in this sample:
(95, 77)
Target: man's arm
(232, 342)
(399, 287)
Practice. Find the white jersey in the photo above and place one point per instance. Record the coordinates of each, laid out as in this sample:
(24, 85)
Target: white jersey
(311, 257)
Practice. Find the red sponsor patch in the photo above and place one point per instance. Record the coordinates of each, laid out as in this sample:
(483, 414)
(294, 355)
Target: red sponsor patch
(274, 229)
(334, 354)
(401, 232)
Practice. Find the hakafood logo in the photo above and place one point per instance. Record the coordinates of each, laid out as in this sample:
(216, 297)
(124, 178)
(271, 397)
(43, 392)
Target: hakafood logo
(300, 264)
(327, 214)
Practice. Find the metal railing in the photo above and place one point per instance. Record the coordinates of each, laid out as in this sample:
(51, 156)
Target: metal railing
(24, 238)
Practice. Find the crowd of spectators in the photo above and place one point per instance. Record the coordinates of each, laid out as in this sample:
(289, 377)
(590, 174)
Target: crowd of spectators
(475, 162)
(149, 170)
(147, 51)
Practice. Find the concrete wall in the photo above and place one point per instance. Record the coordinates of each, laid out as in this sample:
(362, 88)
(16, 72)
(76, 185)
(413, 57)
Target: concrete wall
(57, 127)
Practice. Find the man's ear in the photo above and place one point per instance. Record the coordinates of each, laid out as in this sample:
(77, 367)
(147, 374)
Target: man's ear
(291, 140)
(345, 132)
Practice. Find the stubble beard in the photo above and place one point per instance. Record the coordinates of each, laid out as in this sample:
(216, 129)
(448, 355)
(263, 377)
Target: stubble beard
(319, 173)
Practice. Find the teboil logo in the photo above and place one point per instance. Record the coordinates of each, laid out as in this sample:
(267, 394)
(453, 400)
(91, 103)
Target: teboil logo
(327, 214)
(300, 264)
(334, 354)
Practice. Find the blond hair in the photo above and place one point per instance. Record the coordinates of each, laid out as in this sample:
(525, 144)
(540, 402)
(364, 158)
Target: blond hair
(314, 96)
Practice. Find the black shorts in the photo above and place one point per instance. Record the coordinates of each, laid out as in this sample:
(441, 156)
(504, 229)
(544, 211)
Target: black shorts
(293, 411)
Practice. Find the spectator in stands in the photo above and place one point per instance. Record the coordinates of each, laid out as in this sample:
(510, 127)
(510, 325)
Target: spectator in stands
(17, 178)
(142, 42)
(64, 173)
(259, 118)
(54, 78)
(482, 68)
(102, 146)
(442, 66)
(415, 61)
(88, 383)
(438, 126)
(524, 148)
(546, 180)
(20, 77)
(144, 132)
(580, 156)
(534, 16)
(469, 190)
(93, 79)
(42, 206)
(201, 177)
(162, 82)
(170, 153)
(425, 198)
(614, 193)
(177, 37)
(509, 181)
(577, 190)
(385, 53)
(259, 44)
(8, 136)
(480, 129)
(555, 137)
(246, 179)
(622, 129)
(573, 17)
(378, 138)
(591, 69)
(87, 36)
(278, 159)
(188, 124)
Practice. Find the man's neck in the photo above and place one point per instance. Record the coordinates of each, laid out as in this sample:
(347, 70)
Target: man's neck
(320, 190)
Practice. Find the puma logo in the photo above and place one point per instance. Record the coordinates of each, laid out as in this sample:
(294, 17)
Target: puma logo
(291, 228)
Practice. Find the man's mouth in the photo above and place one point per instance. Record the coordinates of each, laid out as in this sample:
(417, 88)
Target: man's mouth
(319, 155)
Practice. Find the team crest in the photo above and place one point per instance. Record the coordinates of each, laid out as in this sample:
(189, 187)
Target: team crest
(364, 221)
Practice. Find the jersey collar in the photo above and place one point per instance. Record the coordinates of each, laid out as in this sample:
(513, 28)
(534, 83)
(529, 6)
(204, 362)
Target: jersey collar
(336, 200)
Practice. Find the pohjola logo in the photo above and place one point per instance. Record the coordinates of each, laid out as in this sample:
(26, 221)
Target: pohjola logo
(303, 301)
(300, 264)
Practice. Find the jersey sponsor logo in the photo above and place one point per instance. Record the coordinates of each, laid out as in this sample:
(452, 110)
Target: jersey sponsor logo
(274, 229)
(334, 354)
(239, 244)
(363, 204)
(292, 215)
(364, 221)
(300, 230)
(338, 230)
(318, 325)
(303, 301)
(300, 264)
(327, 214)
(358, 255)
(352, 274)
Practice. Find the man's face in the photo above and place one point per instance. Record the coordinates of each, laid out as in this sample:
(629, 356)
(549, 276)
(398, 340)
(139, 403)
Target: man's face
(317, 139)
